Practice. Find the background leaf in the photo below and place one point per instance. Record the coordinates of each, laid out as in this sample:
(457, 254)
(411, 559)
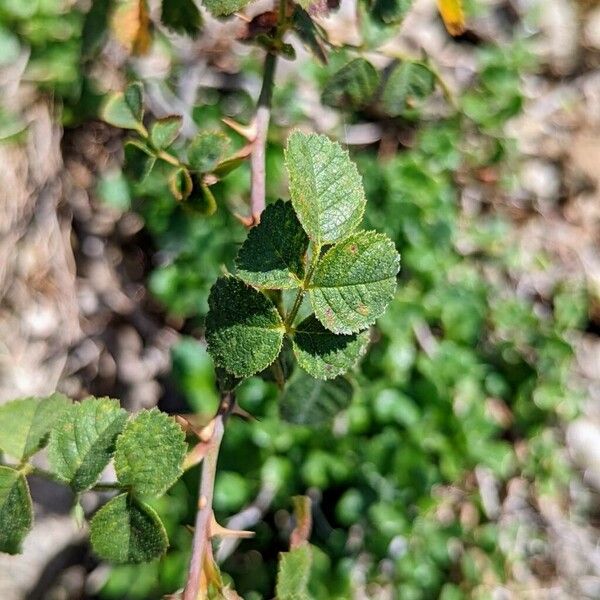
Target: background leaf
(324, 354)
(164, 131)
(150, 453)
(207, 150)
(452, 15)
(126, 531)
(310, 401)
(352, 86)
(222, 8)
(273, 254)
(26, 423)
(406, 86)
(16, 512)
(293, 574)
(181, 16)
(130, 24)
(117, 112)
(244, 331)
(83, 441)
(325, 187)
(354, 282)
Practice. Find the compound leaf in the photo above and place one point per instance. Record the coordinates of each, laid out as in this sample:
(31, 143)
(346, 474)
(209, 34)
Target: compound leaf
(207, 150)
(16, 512)
(353, 86)
(293, 574)
(222, 8)
(83, 441)
(164, 131)
(354, 282)
(150, 453)
(26, 423)
(273, 254)
(407, 85)
(310, 401)
(324, 354)
(127, 531)
(244, 331)
(325, 187)
(181, 16)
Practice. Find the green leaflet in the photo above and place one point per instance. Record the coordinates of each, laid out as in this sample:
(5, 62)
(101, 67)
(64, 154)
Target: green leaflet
(324, 354)
(354, 282)
(82, 442)
(16, 512)
(165, 131)
(117, 111)
(181, 16)
(273, 254)
(222, 8)
(353, 86)
(309, 401)
(134, 98)
(26, 423)
(325, 187)
(293, 573)
(150, 453)
(407, 85)
(207, 150)
(244, 331)
(126, 531)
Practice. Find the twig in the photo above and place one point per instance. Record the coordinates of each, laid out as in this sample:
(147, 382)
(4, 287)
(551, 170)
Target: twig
(204, 515)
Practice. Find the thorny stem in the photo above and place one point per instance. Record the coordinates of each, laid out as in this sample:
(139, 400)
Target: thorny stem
(201, 541)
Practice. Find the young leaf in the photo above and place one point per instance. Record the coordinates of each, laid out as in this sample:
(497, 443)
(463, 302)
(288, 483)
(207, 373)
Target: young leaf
(116, 111)
(325, 187)
(150, 453)
(354, 282)
(181, 16)
(353, 86)
(293, 574)
(26, 423)
(244, 331)
(207, 150)
(453, 15)
(309, 401)
(223, 8)
(180, 183)
(407, 85)
(165, 131)
(273, 254)
(127, 531)
(324, 354)
(83, 441)
(16, 512)
(134, 97)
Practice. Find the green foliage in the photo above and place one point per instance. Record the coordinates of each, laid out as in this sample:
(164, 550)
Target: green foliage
(407, 85)
(83, 441)
(390, 11)
(309, 401)
(325, 187)
(16, 513)
(273, 254)
(244, 331)
(294, 573)
(353, 86)
(181, 16)
(26, 423)
(126, 531)
(223, 8)
(149, 453)
(165, 131)
(207, 150)
(124, 109)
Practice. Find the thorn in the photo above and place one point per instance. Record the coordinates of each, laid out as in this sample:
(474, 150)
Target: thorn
(246, 131)
(242, 17)
(245, 221)
(217, 530)
(190, 528)
(244, 414)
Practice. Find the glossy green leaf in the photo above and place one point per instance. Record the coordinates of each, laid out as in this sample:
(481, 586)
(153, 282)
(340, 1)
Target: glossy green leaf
(325, 187)
(16, 512)
(244, 331)
(310, 401)
(117, 112)
(324, 354)
(222, 8)
(83, 441)
(273, 254)
(150, 453)
(407, 85)
(164, 131)
(126, 531)
(181, 16)
(207, 150)
(353, 86)
(26, 423)
(293, 574)
(354, 282)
